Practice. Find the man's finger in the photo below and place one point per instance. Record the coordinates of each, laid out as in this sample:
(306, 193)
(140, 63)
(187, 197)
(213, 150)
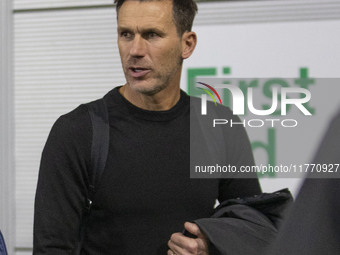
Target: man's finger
(170, 252)
(175, 246)
(178, 243)
(180, 240)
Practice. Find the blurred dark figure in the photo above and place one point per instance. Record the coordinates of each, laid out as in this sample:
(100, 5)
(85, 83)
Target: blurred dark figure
(313, 224)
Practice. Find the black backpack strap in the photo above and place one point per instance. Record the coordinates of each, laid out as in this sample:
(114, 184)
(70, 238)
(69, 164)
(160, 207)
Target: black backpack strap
(100, 143)
(99, 151)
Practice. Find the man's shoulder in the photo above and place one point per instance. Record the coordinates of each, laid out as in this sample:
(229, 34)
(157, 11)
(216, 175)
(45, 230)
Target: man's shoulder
(80, 114)
(77, 115)
(70, 131)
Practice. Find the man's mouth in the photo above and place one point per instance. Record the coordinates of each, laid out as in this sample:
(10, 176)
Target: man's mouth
(138, 72)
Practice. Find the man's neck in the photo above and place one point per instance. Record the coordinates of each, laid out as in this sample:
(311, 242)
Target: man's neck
(161, 101)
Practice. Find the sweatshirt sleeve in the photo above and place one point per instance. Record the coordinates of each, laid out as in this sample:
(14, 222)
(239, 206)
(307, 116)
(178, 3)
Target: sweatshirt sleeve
(62, 184)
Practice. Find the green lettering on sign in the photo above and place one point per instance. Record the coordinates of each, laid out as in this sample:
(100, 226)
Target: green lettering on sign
(193, 73)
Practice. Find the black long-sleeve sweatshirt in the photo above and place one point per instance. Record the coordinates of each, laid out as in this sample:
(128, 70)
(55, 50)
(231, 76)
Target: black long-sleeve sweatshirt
(145, 193)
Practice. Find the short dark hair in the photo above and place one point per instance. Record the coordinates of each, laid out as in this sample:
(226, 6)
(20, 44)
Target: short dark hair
(183, 12)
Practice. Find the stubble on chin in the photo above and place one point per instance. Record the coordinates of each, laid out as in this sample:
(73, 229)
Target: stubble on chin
(150, 91)
(150, 87)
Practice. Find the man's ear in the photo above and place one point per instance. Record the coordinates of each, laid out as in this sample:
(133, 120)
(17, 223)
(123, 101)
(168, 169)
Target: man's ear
(189, 41)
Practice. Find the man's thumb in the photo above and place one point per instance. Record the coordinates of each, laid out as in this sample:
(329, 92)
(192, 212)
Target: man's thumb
(192, 228)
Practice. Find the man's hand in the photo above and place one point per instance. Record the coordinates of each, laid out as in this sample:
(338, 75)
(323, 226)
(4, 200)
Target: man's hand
(183, 245)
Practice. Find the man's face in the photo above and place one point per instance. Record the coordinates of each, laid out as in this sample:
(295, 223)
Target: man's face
(149, 46)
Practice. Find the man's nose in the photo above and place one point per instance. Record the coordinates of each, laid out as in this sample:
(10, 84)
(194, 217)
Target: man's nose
(138, 47)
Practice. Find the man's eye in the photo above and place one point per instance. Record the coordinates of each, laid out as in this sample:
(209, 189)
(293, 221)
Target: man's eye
(152, 35)
(126, 34)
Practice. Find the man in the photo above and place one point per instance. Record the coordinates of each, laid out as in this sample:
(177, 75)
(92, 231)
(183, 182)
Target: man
(145, 194)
